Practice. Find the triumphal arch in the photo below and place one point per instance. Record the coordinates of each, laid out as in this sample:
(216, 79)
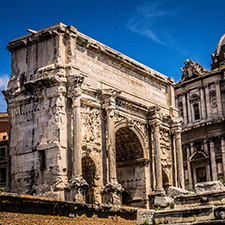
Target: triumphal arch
(89, 124)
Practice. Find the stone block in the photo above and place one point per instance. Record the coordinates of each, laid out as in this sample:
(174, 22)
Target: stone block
(180, 216)
(145, 215)
(163, 201)
(175, 191)
(220, 212)
(205, 198)
(209, 187)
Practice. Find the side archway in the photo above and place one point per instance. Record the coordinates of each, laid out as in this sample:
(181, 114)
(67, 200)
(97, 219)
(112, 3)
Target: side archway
(88, 173)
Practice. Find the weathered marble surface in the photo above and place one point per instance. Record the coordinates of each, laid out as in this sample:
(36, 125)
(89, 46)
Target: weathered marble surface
(81, 112)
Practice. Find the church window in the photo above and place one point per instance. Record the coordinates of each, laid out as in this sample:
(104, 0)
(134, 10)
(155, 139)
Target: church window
(196, 111)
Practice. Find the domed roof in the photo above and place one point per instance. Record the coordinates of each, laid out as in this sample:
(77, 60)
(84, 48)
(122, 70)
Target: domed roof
(218, 57)
(219, 45)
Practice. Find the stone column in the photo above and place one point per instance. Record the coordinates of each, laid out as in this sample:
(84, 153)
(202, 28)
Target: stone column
(77, 158)
(218, 98)
(192, 148)
(77, 185)
(203, 109)
(223, 154)
(112, 190)
(189, 169)
(189, 108)
(195, 176)
(110, 109)
(158, 166)
(155, 120)
(206, 150)
(180, 167)
(184, 109)
(213, 160)
(208, 105)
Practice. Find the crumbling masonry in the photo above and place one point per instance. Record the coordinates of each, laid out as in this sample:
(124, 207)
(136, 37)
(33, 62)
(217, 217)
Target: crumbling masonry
(89, 124)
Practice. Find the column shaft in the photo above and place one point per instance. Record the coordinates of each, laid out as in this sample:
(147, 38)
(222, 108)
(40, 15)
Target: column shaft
(189, 109)
(195, 176)
(111, 144)
(77, 158)
(213, 161)
(192, 147)
(208, 105)
(189, 169)
(223, 154)
(203, 109)
(206, 150)
(218, 98)
(158, 167)
(184, 109)
(180, 167)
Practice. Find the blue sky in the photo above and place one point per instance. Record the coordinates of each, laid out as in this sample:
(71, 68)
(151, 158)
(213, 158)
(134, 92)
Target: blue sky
(158, 33)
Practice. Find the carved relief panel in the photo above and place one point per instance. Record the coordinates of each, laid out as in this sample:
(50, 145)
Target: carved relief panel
(166, 157)
(91, 128)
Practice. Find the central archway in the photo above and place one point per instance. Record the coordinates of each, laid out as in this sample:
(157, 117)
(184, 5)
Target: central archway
(130, 167)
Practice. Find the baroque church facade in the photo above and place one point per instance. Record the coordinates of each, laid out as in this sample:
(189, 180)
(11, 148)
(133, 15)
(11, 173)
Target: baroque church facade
(89, 124)
(200, 98)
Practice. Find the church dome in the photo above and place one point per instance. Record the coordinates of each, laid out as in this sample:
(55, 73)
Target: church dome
(218, 57)
(220, 44)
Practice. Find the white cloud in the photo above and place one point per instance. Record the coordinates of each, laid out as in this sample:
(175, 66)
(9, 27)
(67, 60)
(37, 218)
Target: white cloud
(4, 81)
(148, 17)
(3, 85)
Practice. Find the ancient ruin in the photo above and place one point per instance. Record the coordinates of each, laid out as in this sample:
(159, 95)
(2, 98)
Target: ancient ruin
(89, 124)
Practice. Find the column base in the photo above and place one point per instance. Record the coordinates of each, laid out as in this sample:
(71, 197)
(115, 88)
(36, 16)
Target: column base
(111, 194)
(76, 190)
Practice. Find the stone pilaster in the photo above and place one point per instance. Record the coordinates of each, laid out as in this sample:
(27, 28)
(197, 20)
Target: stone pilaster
(184, 109)
(208, 105)
(218, 98)
(192, 147)
(189, 108)
(190, 186)
(213, 160)
(203, 109)
(206, 150)
(223, 154)
(112, 190)
(77, 185)
(180, 167)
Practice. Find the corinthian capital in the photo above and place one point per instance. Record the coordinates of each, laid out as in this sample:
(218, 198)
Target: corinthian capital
(74, 86)
(154, 112)
(109, 98)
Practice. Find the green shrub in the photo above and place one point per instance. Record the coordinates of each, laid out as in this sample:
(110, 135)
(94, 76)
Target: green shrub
(195, 218)
(145, 222)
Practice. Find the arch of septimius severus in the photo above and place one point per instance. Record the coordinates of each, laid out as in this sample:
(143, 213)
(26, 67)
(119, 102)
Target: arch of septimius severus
(88, 123)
